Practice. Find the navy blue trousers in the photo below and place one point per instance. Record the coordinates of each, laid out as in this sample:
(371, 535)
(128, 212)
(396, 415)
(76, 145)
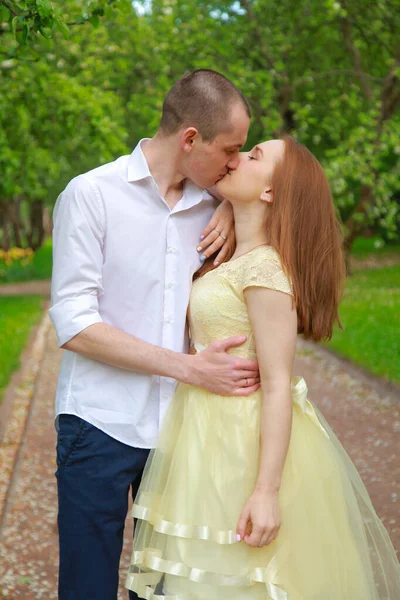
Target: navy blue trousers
(94, 474)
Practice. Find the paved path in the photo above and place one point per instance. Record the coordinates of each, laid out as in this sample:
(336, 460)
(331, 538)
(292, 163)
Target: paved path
(39, 288)
(366, 420)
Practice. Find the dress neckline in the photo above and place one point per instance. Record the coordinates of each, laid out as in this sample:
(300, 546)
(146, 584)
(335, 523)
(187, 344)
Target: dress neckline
(245, 254)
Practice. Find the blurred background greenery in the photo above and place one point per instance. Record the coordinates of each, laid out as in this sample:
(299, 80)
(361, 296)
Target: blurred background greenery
(82, 82)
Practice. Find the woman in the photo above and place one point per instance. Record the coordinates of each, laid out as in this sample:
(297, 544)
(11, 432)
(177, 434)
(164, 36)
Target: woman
(255, 498)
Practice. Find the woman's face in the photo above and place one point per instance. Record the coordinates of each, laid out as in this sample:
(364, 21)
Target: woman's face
(250, 181)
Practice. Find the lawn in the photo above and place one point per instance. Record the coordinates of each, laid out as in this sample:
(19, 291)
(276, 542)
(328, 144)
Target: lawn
(39, 268)
(365, 247)
(370, 315)
(17, 316)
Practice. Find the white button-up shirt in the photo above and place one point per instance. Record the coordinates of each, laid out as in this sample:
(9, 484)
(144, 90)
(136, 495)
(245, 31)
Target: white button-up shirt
(123, 257)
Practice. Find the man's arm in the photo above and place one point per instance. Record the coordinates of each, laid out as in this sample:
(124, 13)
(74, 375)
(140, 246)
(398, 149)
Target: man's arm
(213, 369)
(79, 231)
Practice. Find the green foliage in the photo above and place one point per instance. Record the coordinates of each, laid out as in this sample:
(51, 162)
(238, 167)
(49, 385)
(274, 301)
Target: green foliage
(328, 71)
(17, 316)
(374, 246)
(53, 125)
(28, 18)
(369, 314)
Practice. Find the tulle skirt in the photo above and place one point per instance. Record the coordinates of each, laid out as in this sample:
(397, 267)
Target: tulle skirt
(331, 545)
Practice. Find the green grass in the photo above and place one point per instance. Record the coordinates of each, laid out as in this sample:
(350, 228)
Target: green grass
(364, 247)
(370, 315)
(17, 316)
(39, 268)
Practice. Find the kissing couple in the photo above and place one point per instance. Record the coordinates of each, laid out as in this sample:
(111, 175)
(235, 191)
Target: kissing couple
(240, 488)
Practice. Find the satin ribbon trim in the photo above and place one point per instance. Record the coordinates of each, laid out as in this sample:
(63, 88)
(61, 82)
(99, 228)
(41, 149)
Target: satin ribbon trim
(152, 559)
(137, 583)
(201, 532)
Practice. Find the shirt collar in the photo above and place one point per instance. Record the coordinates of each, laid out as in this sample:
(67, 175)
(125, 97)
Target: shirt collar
(137, 164)
(139, 169)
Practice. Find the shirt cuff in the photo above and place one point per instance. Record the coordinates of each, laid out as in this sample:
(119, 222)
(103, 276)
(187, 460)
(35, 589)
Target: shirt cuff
(73, 315)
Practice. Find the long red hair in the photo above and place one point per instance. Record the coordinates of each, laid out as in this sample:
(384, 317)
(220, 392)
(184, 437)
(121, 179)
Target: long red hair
(303, 228)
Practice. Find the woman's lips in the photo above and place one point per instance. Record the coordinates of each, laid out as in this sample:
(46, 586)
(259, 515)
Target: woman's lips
(221, 177)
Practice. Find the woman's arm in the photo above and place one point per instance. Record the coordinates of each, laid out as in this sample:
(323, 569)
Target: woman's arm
(274, 323)
(219, 234)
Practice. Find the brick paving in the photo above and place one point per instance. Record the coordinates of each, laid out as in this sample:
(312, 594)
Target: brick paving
(365, 417)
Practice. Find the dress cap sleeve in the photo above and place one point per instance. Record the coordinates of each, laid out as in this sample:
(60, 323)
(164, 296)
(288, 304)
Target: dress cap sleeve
(263, 268)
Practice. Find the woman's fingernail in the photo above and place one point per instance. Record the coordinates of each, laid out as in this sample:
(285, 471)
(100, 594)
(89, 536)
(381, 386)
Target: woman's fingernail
(202, 237)
(203, 257)
(216, 263)
(238, 538)
(199, 248)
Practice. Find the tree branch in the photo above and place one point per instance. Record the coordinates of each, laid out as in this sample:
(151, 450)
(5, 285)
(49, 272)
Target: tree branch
(252, 19)
(349, 72)
(390, 96)
(10, 7)
(353, 51)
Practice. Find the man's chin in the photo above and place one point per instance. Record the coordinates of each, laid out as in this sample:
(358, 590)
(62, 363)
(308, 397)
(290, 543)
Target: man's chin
(221, 183)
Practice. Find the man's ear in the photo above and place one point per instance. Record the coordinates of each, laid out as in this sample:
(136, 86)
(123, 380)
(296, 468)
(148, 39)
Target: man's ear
(266, 196)
(188, 138)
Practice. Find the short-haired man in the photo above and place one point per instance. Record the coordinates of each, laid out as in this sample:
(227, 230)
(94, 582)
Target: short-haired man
(125, 238)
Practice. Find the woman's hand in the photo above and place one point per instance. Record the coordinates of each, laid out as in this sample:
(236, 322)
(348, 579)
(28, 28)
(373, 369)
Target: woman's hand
(260, 519)
(219, 234)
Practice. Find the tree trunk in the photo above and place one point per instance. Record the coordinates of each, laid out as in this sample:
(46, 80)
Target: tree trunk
(287, 115)
(353, 225)
(14, 216)
(47, 221)
(347, 246)
(37, 233)
(5, 242)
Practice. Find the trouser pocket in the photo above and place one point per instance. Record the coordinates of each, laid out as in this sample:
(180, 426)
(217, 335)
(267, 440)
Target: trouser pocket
(71, 430)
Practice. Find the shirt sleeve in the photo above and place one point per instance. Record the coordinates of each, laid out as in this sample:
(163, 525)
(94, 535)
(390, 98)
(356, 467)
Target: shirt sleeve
(265, 270)
(78, 235)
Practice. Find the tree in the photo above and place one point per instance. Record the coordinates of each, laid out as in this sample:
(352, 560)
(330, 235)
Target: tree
(29, 18)
(326, 71)
(51, 128)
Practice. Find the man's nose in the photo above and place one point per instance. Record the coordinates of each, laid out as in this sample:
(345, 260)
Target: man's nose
(233, 162)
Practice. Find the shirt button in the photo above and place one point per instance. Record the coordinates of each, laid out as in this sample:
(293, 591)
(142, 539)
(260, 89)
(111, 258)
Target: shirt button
(169, 286)
(165, 396)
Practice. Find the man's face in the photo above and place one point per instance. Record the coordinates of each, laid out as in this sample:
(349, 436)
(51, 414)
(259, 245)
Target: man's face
(208, 162)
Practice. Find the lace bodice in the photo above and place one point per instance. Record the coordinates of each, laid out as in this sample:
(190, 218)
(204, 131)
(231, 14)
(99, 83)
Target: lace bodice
(217, 308)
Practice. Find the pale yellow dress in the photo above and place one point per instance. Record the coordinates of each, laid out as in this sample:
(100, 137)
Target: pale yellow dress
(331, 546)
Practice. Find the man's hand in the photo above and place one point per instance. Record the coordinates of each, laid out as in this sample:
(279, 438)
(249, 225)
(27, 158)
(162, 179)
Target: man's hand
(219, 234)
(221, 373)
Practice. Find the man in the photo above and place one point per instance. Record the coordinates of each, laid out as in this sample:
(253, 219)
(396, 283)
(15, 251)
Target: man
(126, 245)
